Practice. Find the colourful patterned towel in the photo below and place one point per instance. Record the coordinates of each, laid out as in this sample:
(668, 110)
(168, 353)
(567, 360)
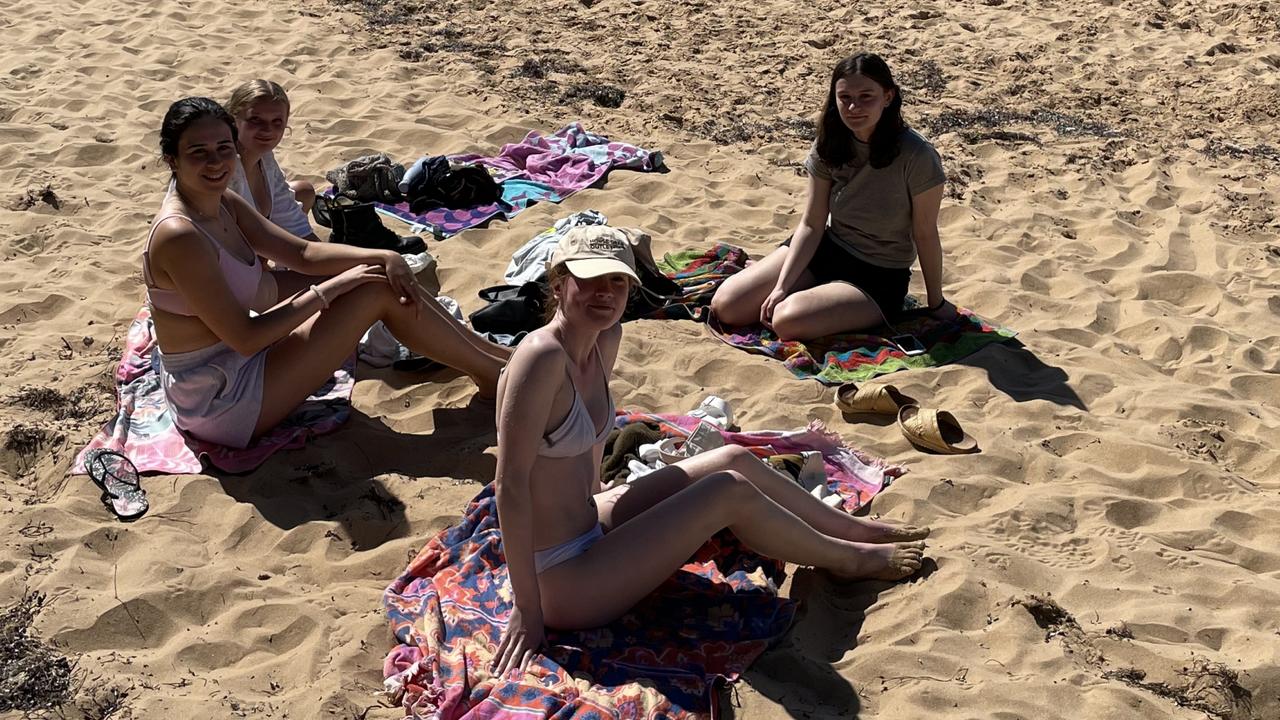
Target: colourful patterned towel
(539, 168)
(143, 429)
(851, 473)
(663, 659)
(847, 357)
(698, 274)
(854, 357)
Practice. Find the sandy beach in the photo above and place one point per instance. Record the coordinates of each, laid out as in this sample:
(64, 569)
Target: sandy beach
(1112, 196)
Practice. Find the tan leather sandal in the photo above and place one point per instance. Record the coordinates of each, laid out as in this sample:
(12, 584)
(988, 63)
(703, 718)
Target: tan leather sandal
(936, 430)
(871, 399)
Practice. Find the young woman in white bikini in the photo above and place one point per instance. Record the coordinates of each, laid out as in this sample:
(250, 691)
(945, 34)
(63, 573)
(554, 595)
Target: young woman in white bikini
(566, 541)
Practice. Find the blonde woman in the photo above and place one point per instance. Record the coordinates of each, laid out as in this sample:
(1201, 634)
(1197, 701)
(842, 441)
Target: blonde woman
(261, 111)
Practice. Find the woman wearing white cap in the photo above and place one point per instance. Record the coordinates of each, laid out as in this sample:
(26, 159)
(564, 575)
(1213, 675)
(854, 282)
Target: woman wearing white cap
(562, 534)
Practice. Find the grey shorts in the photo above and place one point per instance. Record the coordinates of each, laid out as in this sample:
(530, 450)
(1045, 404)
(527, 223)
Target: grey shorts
(214, 393)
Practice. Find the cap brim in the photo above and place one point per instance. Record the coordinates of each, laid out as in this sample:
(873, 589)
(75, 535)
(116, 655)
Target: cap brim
(596, 267)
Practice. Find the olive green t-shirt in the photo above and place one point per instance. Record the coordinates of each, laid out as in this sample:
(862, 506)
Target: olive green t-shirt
(871, 208)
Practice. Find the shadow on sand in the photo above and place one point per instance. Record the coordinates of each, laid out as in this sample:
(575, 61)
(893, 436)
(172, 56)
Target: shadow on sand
(337, 477)
(1016, 371)
(799, 672)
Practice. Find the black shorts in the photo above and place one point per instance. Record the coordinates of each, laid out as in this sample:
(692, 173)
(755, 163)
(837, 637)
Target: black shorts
(887, 286)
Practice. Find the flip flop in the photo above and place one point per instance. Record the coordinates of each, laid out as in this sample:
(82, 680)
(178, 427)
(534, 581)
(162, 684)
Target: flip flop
(936, 430)
(873, 399)
(117, 476)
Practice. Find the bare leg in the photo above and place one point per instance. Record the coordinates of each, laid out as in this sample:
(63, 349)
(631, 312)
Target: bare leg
(305, 193)
(737, 301)
(588, 590)
(300, 363)
(823, 310)
(644, 493)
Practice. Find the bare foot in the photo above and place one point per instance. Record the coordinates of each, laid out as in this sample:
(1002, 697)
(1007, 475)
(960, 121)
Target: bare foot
(882, 561)
(875, 531)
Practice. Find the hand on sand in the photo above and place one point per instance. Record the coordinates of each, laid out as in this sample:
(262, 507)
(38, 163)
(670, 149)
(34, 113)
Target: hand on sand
(946, 313)
(888, 561)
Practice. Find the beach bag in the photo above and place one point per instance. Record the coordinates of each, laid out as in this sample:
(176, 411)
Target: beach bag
(512, 309)
(369, 178)
(454, 189)
(656, 289)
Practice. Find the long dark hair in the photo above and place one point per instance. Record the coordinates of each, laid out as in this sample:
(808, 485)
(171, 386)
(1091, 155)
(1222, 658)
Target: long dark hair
(835, 139)
(185, 113)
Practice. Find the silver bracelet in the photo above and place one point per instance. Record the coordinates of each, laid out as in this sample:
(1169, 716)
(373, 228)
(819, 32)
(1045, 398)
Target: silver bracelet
(324, 301)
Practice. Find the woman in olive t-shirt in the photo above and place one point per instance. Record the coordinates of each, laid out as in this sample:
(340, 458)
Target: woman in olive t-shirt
(875, 187)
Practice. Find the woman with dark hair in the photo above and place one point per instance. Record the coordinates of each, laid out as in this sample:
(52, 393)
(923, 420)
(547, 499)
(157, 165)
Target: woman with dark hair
(875, 187)
(234, 356)
(566, 540)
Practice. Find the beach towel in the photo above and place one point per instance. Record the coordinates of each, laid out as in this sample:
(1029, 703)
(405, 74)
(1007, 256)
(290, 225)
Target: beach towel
(539, 168)
(855, 357)
(664, 659)
(143, 429)
(698, 273)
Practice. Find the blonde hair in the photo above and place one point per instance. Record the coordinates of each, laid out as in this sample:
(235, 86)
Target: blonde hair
(253, 92)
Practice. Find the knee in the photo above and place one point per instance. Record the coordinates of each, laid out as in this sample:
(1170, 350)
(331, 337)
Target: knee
(377, 296)
(729, 308)
(730, 486)
(733, 457)
(304, 192)
(788, 320)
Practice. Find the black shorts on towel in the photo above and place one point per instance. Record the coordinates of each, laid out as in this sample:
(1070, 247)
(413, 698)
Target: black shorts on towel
(887, 286)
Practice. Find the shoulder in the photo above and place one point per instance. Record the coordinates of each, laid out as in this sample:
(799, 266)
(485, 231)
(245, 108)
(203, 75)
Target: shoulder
(538, 354)
(175, 241)
(913, 144)
(609, 341)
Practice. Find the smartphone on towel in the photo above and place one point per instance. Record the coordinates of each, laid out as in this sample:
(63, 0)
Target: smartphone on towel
(910, 345)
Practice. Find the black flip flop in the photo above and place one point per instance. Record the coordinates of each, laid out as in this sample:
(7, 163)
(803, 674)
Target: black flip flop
(117, 476)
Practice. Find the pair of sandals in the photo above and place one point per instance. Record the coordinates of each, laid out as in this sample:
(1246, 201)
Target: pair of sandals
(117, 477)
(926, 428)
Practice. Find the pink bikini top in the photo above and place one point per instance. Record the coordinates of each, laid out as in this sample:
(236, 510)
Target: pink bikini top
(242, 279)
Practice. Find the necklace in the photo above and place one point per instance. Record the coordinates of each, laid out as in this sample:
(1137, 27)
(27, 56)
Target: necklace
(203, 218)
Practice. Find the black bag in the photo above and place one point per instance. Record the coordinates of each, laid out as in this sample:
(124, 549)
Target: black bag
(455, 189)
(512, 309)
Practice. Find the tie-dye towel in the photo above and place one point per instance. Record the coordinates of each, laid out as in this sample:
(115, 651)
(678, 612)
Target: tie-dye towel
(143, 427)
(539, 168)
(854, 357)
(699, 274)
(663, 659)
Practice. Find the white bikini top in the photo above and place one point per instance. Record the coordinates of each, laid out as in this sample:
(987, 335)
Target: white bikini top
(578, 434)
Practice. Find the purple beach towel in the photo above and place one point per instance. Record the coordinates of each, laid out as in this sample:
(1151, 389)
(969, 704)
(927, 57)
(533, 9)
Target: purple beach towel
(539, 168)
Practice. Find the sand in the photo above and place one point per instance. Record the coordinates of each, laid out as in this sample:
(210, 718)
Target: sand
(1112, 197)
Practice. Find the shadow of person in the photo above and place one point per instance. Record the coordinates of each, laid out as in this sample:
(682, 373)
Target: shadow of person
(799, 672)
(1016, 371)
(339, 477)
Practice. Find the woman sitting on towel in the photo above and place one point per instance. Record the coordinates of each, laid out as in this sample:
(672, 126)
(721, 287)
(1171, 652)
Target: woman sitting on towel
(875, 187)
(229, 375)
(565, 540)
(261, 111)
